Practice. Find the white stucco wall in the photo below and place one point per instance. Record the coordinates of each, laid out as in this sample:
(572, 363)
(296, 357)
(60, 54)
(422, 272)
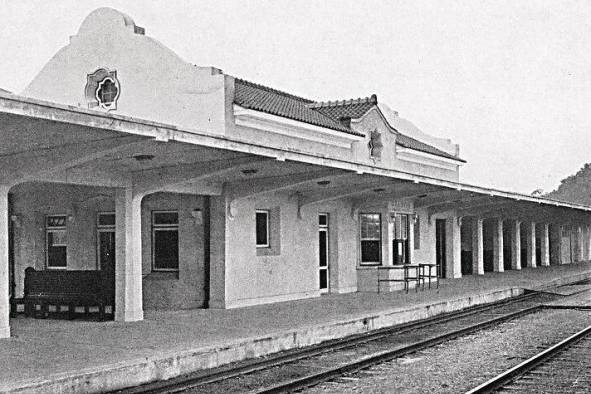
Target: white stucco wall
(290, 271)
(156, 84)
(32, 202)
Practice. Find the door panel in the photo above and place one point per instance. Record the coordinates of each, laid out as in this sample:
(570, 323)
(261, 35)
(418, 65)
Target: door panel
(440, 251)
(323, 269)
(107, 260)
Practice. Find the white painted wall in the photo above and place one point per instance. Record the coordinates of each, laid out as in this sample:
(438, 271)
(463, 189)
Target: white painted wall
(155, 83)
(33, 201)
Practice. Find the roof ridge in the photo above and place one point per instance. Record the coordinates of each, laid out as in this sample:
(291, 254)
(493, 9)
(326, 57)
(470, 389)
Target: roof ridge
(269, 89)
(373, 99)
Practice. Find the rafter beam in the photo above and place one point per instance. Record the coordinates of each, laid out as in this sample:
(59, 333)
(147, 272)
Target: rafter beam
(165, 178)
(40, 163)
(236, 191)
(442, 196)
(354, 190)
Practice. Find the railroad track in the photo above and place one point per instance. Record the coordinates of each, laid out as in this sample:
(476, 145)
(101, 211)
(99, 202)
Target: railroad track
(301, 368)
(562, 368)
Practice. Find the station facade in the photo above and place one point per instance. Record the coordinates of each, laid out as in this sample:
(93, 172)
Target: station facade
(191, 188)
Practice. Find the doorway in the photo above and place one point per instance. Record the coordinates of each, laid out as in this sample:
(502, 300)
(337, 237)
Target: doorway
(440, 250)
(106, 252)
(323, 269)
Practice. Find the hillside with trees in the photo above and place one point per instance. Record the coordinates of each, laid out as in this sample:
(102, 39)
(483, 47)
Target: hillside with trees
(575, 188)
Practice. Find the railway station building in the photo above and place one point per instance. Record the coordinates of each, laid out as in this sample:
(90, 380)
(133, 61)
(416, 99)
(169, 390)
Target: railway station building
(180, 187)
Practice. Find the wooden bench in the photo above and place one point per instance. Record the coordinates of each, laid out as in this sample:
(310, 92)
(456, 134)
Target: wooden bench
(66, 288)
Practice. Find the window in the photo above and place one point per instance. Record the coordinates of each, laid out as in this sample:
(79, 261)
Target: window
(370, 237)
(107, 93)
(323, 251)
(400, 242)
(57, 241)
(165, 240)
(262, 229)
(106, 220)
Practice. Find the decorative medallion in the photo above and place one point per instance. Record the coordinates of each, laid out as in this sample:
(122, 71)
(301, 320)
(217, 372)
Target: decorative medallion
(102, 89)
(375, 145)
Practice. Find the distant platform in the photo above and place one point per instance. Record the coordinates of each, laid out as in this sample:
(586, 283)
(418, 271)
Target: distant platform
(83, 356)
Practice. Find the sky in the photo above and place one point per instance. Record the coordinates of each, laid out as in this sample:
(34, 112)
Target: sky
(510, 81)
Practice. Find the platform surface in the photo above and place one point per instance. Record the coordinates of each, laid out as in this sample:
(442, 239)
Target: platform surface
(42, 352)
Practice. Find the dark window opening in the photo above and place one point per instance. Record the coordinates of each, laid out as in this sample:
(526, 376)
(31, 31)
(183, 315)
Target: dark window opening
(262, 229)
(56, 241)
(165, 241)
(107, 91)
(370, 238)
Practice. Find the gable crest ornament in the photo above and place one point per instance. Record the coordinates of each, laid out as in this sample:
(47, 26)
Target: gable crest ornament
(102, 89)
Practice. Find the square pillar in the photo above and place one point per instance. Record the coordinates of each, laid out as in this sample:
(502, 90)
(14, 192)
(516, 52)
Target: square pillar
(531, 245)
(556, 236)
(545, 245)
(477, 247)
(217, 252)
(128, 256)
(516, 245)
(498, 263)
(4, 282)
(579, 255)
(453, 248)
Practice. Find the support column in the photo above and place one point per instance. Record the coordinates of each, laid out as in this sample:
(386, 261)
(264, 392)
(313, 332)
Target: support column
(477, 247)
(4, 282)
(545, 245)
(453, 246)
(217, 252)
(128, 261)
(498, 246)
(580, 245)
(588, 243)
(556, 235)
(531, 245)
(411, 238)
(516, 245)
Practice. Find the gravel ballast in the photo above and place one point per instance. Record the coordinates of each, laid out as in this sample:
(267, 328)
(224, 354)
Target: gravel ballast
(461, 364)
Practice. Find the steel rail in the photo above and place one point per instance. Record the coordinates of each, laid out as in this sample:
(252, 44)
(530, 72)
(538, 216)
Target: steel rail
(204, 377)
(388, 355)
(531, 363)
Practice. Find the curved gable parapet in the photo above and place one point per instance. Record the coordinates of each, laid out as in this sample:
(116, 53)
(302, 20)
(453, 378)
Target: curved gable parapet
(155, 83)
(407, 128)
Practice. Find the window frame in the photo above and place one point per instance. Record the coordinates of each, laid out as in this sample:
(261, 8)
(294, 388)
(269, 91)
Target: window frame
(267, 213)
(323, 228)
(401, 234)
(52, 229)
(164, 227)
(361, 239)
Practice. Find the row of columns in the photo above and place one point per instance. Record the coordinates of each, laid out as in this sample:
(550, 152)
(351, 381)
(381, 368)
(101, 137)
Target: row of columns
(498, 246)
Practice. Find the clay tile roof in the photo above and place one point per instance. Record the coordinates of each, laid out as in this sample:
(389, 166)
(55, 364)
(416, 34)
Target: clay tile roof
(352, 109)
(262, 98)
(411, 143)
(330, 114)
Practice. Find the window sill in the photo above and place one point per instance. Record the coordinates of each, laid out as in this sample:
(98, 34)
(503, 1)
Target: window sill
(267, 252)
(368, 266)
(162, 275)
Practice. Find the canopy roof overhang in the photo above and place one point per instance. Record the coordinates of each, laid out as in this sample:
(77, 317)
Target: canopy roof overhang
(49, 142)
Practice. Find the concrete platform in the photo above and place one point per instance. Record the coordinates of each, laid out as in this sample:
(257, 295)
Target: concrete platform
(81, 356)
